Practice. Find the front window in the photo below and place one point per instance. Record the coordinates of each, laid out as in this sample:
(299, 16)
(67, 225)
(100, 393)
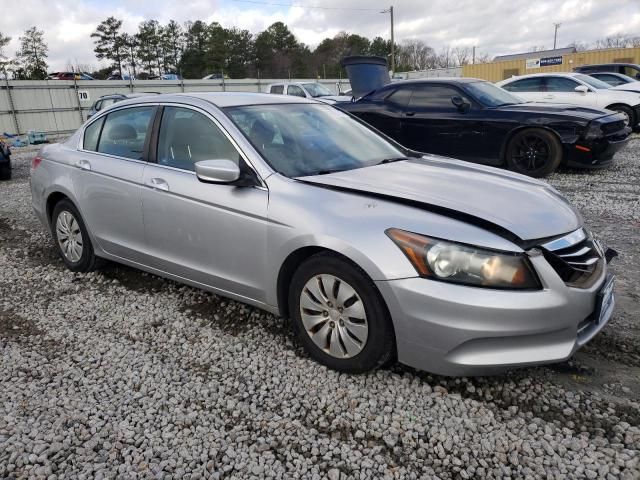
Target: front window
(593, 82)
(296, 91)
(306, 139)
(317, 90)
(489, 95)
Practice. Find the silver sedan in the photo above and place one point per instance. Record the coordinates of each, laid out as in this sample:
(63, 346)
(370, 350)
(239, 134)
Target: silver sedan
(374, 252)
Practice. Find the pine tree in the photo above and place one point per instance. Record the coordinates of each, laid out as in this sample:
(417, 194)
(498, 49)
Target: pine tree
(32, 55)
(109, 42)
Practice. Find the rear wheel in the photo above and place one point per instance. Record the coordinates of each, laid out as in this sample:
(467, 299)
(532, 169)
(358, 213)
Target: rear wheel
(72, 239)
(534, 152)
(5, 172)
(339, 316)
(626, 111)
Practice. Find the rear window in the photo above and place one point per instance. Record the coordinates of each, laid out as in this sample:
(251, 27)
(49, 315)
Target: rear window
(279, 89)
(92, 135)
(124, 132)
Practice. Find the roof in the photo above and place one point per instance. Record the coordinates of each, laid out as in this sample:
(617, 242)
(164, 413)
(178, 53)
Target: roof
(225, 99)
(548, 74)
(539, 54)
(617, 64)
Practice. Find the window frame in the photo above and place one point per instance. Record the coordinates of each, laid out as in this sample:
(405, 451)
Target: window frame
(542, 81)
(155, 138)
(554, 77)
(302, 90)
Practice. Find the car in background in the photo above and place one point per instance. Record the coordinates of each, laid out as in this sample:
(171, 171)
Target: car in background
(166, 76)
(106, 101)
(375, 252)
(214, 76)
(69, 76)
(618, 81)
(118, 76)
(630, 69)
(476, 121)
(575, 89)
(313, 90)
(5, 160)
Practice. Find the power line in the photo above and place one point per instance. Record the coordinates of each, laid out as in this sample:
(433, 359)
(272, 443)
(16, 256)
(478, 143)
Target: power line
(315, 7)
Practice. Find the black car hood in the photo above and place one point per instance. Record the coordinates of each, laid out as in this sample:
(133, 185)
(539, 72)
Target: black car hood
(557, 108)
(529, 209)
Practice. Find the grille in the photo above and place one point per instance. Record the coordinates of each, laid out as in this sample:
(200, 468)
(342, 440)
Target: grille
(612, 127)
(576, 257)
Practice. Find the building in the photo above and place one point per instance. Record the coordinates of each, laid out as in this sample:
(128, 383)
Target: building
(559, 60)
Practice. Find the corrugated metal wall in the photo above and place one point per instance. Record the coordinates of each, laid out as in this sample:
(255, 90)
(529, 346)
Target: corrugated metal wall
(54, 106)
(497, 71)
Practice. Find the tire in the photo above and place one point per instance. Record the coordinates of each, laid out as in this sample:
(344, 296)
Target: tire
(5, 172)
(534, 152)
(342, 342)
(66, 222)
(626, 111)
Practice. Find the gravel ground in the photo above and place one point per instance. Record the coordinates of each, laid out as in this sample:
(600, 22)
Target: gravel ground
(120, 374)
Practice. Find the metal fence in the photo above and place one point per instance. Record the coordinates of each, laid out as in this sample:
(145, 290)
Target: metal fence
(61, 106)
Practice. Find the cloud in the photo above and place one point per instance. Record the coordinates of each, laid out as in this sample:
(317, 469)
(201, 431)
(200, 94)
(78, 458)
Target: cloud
(493, 26)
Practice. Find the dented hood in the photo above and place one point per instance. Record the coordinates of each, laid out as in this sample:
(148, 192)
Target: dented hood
(527, 208)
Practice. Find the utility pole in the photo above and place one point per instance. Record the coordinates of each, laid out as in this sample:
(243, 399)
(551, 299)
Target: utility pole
(555, 34)
(393, 46)
(473, 56)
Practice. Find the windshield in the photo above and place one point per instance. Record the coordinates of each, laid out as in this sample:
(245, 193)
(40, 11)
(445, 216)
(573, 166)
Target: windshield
(317, 90)
(593, 82)
(490, 95)
(307, 139)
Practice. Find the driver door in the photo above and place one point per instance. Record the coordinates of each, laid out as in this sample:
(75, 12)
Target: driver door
(213, 234)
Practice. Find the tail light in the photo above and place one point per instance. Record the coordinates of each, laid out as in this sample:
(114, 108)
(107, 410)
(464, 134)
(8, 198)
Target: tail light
(35, 162)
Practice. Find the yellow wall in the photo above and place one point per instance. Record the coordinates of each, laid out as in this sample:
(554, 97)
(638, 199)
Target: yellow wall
(497, 71)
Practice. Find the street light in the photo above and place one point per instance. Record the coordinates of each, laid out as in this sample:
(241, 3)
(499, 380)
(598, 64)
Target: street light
(555, 34)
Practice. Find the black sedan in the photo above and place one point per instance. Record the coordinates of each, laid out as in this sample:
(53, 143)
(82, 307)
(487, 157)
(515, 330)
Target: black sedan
(475, 120)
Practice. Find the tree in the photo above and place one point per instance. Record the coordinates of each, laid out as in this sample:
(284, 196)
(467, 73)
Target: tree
(462, 55)
(4, 61)
(32, 55)
(148, 41)
(130, 45)
(275, 49)
(380, 47)
(194, 57)
(172, 41)
(109, 42)
(240, 53)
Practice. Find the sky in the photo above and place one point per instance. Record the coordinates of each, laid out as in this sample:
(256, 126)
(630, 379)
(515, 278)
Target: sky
(496, 27)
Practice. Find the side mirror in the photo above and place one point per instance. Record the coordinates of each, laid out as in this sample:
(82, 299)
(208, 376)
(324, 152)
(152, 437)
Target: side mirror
(460, 104)
(217, 171)
(581, 89)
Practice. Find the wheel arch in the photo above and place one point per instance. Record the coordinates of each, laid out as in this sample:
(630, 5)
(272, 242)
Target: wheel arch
(633, 120)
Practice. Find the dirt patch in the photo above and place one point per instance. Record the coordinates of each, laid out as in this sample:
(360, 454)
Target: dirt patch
(8, 233)
(134, 279)
(13, 325)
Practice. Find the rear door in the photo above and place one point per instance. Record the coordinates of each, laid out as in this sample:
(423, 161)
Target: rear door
(212, 234)
(108, 178)
(563, 90)
(530, 89)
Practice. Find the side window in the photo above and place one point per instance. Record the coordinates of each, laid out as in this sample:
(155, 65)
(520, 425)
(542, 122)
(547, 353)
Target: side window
(631, 72)
(436, 97)
(610, 79)
(124, 132)
(296, 91)
(98, 106)
(279, 89)
(108, 102)
(525, 85)
(92, 135)
(187, 136)
(561, 84)
(400, 97)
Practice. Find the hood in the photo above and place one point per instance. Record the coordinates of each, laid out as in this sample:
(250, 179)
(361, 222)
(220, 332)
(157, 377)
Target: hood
(628, 87)
(558, 108)
(333, 99)
(525, 207)
(366, 73)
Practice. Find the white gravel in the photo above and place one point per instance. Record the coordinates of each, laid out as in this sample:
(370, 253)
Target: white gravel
(120, 374)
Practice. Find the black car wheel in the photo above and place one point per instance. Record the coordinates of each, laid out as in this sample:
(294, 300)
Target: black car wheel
(534, 152)
(5, 172)
(339, 316)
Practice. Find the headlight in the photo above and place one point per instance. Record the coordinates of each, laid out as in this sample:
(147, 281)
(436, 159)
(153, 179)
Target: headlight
(593, 131)
(467, 265)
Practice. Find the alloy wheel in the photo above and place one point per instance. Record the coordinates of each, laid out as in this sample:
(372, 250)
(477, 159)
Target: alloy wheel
(531, 153)
(334, 316)
(69, 236)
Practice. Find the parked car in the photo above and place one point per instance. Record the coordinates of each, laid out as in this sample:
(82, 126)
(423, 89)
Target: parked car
(108, 100)
(630, 69)
(118, 76)
(297, 208)
(166, 76)
(618, 81)
(69, 76)
(214, 76)
(308, 90)
(5, 161)
(576, 89)
(474, 120)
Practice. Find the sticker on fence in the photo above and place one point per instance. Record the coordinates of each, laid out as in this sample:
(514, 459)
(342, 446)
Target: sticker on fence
(84, 96)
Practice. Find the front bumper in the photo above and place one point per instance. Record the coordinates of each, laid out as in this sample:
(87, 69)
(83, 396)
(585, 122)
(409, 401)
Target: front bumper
(600, 151)
(458, 330)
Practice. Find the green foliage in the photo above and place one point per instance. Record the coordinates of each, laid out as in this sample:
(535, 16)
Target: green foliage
(109, 42)
(31, 58)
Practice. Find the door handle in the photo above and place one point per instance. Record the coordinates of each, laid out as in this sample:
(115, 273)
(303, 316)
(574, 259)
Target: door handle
(157, 184)
(549, 97)
(410, 114)
(83, 165)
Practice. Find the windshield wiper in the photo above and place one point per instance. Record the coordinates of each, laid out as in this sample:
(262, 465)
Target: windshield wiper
(325, 171)
(391, 160)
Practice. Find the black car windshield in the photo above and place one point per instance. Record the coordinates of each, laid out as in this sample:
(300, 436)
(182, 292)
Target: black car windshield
(490, 95)
(317, 90)
(593, 82)
(308, 139)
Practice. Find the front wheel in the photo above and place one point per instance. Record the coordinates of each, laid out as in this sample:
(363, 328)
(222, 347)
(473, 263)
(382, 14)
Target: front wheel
(627, 112)
(339, 316)
(534, 152)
